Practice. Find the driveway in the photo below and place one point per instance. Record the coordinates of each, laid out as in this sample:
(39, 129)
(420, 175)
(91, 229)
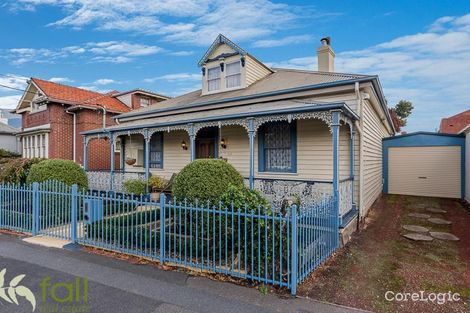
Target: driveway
(380, 259)
(118, 286)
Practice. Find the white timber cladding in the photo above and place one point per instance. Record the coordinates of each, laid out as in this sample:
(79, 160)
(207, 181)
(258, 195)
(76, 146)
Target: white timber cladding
(254, 70)
(425, 171)
(373, 132)
(467, 166)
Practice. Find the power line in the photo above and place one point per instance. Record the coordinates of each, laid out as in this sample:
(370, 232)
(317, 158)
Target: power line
(15, 77)
(17, 89)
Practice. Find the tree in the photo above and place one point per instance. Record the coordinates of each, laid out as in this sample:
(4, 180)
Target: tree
(400, 112)
(403, 110)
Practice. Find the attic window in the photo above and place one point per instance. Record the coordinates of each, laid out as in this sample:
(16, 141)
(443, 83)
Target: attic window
(233, 75)
(213, 78)
(144, 102)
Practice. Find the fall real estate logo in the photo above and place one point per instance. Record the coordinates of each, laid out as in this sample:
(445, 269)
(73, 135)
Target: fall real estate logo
(56, 296)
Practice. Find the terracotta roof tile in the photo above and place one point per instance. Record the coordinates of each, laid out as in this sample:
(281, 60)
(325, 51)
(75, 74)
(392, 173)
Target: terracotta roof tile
(455, 123)
(78, 96)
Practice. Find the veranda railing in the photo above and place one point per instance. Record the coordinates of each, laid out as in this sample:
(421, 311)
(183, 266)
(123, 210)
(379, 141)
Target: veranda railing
(278, 247)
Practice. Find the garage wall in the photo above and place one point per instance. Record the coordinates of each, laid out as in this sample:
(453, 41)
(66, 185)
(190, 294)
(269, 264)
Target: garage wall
(467, 166)
(425, 139)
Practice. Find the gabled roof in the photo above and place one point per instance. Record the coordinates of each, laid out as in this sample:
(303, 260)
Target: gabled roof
(220, 40)
(454, 124)
(7, 129)
(141, 91)
(77, 96)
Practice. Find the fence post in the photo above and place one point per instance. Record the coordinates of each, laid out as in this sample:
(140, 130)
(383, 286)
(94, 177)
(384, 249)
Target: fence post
(162, 228)
(1, 205)
(36, 208)
(294, 256)
(74, 221)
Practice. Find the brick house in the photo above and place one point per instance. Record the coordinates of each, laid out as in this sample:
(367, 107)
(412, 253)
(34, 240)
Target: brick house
(54, 115)
(454, 124)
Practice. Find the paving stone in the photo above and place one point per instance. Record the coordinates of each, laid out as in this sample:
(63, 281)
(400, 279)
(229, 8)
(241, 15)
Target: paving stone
(418, 237)
(419, 215)
(434, 210)
(439, 221)
(444, 236)
(416, 228)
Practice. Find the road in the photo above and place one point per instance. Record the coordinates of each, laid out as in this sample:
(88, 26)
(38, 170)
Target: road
(71, 280)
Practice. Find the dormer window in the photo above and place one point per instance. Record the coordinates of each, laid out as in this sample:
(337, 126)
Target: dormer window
(213, 78)
(233, 75)
(144, 102)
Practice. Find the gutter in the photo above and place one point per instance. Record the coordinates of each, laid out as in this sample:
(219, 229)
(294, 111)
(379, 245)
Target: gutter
(255, 96)
(332, 106)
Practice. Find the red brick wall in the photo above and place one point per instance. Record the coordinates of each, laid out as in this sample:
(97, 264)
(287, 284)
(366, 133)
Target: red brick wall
(98, 149)
(61, 135)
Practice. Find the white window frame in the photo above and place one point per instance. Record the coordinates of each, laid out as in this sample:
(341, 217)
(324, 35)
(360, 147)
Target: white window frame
(231, 75)
(147, 99)
(219, 78)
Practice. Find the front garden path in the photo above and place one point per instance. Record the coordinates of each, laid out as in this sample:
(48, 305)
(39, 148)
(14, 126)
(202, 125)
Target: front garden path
(381, 259)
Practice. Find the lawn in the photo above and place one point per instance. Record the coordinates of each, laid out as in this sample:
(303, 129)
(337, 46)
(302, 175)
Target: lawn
(379, 259)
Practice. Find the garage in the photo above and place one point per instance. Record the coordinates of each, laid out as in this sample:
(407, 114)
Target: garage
(424, 164)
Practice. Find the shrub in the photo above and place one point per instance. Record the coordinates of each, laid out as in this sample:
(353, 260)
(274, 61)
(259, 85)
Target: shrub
(136, 186)
(16, 170)
(156, 182)
(65, 171)
(8, 154)
(241, 195)
(205, 180)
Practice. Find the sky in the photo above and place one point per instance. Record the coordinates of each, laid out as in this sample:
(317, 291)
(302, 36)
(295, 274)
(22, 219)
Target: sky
(419, 49)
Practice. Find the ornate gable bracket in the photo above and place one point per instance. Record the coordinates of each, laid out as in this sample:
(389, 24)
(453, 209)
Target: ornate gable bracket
(97, 136)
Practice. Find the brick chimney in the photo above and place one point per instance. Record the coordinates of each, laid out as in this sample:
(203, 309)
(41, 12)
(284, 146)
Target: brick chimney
(326, 56)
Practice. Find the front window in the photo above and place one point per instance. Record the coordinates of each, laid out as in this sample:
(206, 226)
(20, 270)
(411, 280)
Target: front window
(144, 102)
(233, 75)
(278, 147)
(213, 79)
(156, 151)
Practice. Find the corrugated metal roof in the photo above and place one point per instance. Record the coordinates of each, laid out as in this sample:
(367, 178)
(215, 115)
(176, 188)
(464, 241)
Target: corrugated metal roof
(279, 80)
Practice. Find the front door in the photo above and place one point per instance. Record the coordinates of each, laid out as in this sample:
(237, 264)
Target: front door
(206, 143)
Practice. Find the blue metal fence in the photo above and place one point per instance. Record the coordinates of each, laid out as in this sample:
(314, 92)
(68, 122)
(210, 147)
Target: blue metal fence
(278, 247)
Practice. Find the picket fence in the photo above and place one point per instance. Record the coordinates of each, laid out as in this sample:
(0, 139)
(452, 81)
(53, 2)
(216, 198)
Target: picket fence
(278, 247)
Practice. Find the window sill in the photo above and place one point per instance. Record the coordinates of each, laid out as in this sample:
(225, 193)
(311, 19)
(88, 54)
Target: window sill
(277, 174)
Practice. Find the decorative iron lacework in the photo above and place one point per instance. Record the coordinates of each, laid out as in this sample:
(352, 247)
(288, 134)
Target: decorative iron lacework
(99, 180)
(325, 116)
(240, 122)
(345, 196)
(277, 191)
(96, 136)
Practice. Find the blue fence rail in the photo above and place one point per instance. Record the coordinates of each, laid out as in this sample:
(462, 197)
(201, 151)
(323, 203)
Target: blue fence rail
(256, 243)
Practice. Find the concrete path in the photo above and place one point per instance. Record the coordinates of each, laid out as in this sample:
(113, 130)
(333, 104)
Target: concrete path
(116, 286)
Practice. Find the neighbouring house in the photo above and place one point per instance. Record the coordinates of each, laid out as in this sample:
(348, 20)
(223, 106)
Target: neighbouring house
(8, 139)
(54, 115)
(291, 133)
(9, 118)
(454, 124)
(466, 131)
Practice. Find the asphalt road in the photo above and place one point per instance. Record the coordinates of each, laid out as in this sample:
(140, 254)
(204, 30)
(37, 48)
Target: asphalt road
(117, 286)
